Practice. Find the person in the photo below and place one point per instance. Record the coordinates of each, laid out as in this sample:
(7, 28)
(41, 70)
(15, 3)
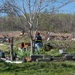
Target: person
(38, 41)
(22, 47)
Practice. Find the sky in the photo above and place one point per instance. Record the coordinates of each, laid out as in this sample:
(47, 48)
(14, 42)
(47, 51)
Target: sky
(68, 9)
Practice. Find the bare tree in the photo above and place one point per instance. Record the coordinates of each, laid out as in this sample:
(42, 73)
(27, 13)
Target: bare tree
(31, 11)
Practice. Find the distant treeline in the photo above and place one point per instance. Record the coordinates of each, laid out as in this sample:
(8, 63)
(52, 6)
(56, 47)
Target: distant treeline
(50, 22)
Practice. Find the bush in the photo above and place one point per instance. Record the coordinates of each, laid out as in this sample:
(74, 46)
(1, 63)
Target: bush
(22, 53)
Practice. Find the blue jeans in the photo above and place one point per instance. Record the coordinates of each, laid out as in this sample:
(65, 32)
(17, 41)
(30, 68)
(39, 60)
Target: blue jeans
(38, 46)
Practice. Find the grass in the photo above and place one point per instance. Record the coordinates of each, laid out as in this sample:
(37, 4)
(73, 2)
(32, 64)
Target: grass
(42, 68)
(53, 52)
(35, 68)
(67, 45)
(4, 46)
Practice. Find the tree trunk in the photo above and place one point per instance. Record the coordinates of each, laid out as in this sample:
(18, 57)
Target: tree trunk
(31, 42)
(31, 49)
(11, 49)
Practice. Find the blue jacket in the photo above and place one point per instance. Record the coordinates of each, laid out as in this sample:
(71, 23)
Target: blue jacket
(38, 39)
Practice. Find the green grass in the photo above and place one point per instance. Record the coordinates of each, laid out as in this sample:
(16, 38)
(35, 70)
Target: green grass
(35, 68)
(4, 46)
(67, 45)
(21, 39)
(42, 68)
(53, 52)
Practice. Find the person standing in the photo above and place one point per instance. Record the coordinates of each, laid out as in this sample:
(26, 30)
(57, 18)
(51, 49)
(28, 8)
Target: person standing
(38, 41)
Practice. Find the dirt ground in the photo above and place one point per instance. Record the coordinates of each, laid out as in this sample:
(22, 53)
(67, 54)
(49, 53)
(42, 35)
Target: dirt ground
(10, 34)
(44, 35)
